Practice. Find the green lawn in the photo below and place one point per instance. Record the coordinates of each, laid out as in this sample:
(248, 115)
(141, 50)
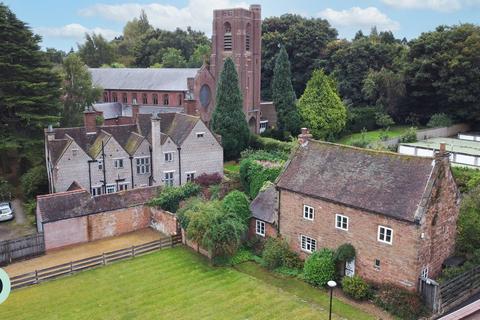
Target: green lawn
(372, 136)
(231, 166)
(173, 284)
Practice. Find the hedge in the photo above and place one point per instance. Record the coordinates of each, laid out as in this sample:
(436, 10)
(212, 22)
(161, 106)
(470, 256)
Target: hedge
(320, 267)
(169, 198)
(269, 144)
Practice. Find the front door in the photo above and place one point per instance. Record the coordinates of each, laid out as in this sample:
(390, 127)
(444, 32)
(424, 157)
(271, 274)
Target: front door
(350, 268)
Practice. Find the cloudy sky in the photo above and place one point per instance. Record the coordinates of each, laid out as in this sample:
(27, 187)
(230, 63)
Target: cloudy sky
(63, 23)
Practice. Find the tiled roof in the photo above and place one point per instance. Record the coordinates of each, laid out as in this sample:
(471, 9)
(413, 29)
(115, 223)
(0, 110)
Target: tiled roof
(113, 110)
(177, 125)
(77, 203)
(381, 182)
(157, 79)
(56, 148)
(264, 206)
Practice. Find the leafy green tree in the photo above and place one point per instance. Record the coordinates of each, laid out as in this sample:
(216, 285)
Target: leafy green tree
(200, 54)
(237, 203)
(443, 72)
(305, 40)
(320, 107)
(55, 56)
(439, 120)
(283, 95)
(78, 90)
(468, 225)
(35, 182)
(5, 189)
(228, 119)
(172, 58)
(96, 51)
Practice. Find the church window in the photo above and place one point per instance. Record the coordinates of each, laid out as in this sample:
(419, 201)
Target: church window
(144, 98)
(227, 37)
(155, 98)
(114, 97)
(124, 98)
(165, 99)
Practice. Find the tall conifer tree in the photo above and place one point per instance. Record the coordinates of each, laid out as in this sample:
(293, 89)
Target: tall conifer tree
(228, 119)
(283, 95)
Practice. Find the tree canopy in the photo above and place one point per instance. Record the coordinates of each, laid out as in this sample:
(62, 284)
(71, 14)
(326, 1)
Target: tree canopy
(96, 51)
(228, 119)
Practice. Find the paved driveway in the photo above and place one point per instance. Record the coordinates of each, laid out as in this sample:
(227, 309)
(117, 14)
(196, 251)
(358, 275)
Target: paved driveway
(84, 250)
(19, 226)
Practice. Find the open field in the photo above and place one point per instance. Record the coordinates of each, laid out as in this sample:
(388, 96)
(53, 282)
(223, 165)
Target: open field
(172, 284)
(374, 135)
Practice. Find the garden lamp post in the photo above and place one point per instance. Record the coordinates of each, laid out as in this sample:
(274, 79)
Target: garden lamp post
(331, 284)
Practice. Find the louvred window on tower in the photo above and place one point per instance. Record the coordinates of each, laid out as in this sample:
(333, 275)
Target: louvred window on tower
(247, 37)
(227, 37)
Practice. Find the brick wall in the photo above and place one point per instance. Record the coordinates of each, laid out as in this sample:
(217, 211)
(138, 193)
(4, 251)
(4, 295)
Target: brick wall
(65, 232)
(270, 230)
(398, 261)
(175, 98)
(194, 245)
(163, 221)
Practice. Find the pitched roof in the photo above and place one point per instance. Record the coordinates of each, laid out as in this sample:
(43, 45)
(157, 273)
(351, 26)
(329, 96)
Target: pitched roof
(264, 206)
(56, 148)
(381, 182)
(113, 110)
(77, 203)
(177, 125)
(155, 79)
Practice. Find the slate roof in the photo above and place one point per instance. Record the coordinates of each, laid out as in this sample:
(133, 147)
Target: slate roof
(380, 182)
(264, 206)
(77, 203)
(155, 79)
(113, 110)
(177, 125)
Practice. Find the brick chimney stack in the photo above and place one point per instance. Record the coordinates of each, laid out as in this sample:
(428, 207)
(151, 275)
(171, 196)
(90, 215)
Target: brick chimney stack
(442, 154)
(50, 133)
(90, 120)
(304, 137)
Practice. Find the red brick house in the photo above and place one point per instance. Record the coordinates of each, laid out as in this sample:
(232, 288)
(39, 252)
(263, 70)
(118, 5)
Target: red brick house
(399, 212)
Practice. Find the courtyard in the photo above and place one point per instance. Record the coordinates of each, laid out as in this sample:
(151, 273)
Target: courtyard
(174, 284)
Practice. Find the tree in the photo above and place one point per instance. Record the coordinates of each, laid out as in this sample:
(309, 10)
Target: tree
(443, 72)
(29, 88)
(468, 225)
(228, 119)
(320, 107)
(304, 39)
(283, 95)
(78, 91)
(237, 203)
(201, 53)
(96, 51)
(172, 58)
(55, 56)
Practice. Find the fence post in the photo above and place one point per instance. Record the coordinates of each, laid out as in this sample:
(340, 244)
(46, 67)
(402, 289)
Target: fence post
(133, 251)
(104, 261)
(71, 267)
(171, 241)
(36, 276)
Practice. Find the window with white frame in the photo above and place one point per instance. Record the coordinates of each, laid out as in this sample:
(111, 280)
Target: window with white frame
(424, 272)
(118, 163)
(260, 228)
(143, 165)
(200, 134)
(168, 178)
(100, 164)
(96, 191)
(376, 264)
(168, 156)
(74, 152)
(191, 176)
(308, 244)
(385, 234)
(341, 222)
(308, 212)
(122, 186)
(111, 188)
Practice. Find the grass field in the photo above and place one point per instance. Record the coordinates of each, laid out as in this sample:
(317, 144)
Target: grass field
(173, 284)
(374, 135)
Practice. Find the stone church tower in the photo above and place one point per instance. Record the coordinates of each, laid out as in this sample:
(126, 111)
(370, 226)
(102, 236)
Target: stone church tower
(236, 34)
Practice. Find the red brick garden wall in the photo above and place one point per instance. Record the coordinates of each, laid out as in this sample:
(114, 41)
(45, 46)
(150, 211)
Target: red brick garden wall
(65, 232)
(163, 221)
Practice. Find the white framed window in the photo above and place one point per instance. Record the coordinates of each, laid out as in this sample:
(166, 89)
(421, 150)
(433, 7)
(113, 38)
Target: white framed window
(168, 156)
(260, 228)
(111, 188)
(424, 272)
(123, 186)
(190, 176)
(96, 191)
(308, 212)
(100, 164)
(385, 234)
(143, 165)
(341, 222)
(74, 152)
(376, 264)
(200, 134)
(168, 178)
(308, 244)
(118, 163)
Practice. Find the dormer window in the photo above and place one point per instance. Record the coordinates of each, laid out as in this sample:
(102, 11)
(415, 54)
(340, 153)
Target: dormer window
(227, 37)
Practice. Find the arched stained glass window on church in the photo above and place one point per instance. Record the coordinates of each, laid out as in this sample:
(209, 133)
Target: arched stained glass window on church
(205, 95)
(227, 37)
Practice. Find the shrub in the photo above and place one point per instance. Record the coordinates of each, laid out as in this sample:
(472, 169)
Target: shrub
(400, 302)
(277, 253)
(169, 198)
(183, 214)
(355, 287)
(467, 179)
(237, 203)
(319, 268)
(5, 189)
(345, 252)
(206, 179)
(383, 120)
(242, 255)
(468, 225)
(361, 118)
(439, 120)
(409, 136)
(34, 182)
(214, 191)
(269, 144)
(255, 244)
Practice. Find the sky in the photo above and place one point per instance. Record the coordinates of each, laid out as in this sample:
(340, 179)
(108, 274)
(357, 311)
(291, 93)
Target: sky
(63, 24)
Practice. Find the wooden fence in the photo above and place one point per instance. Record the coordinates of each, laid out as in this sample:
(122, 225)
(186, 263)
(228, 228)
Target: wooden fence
(443, 297)
(37, 276)
(25, 247)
